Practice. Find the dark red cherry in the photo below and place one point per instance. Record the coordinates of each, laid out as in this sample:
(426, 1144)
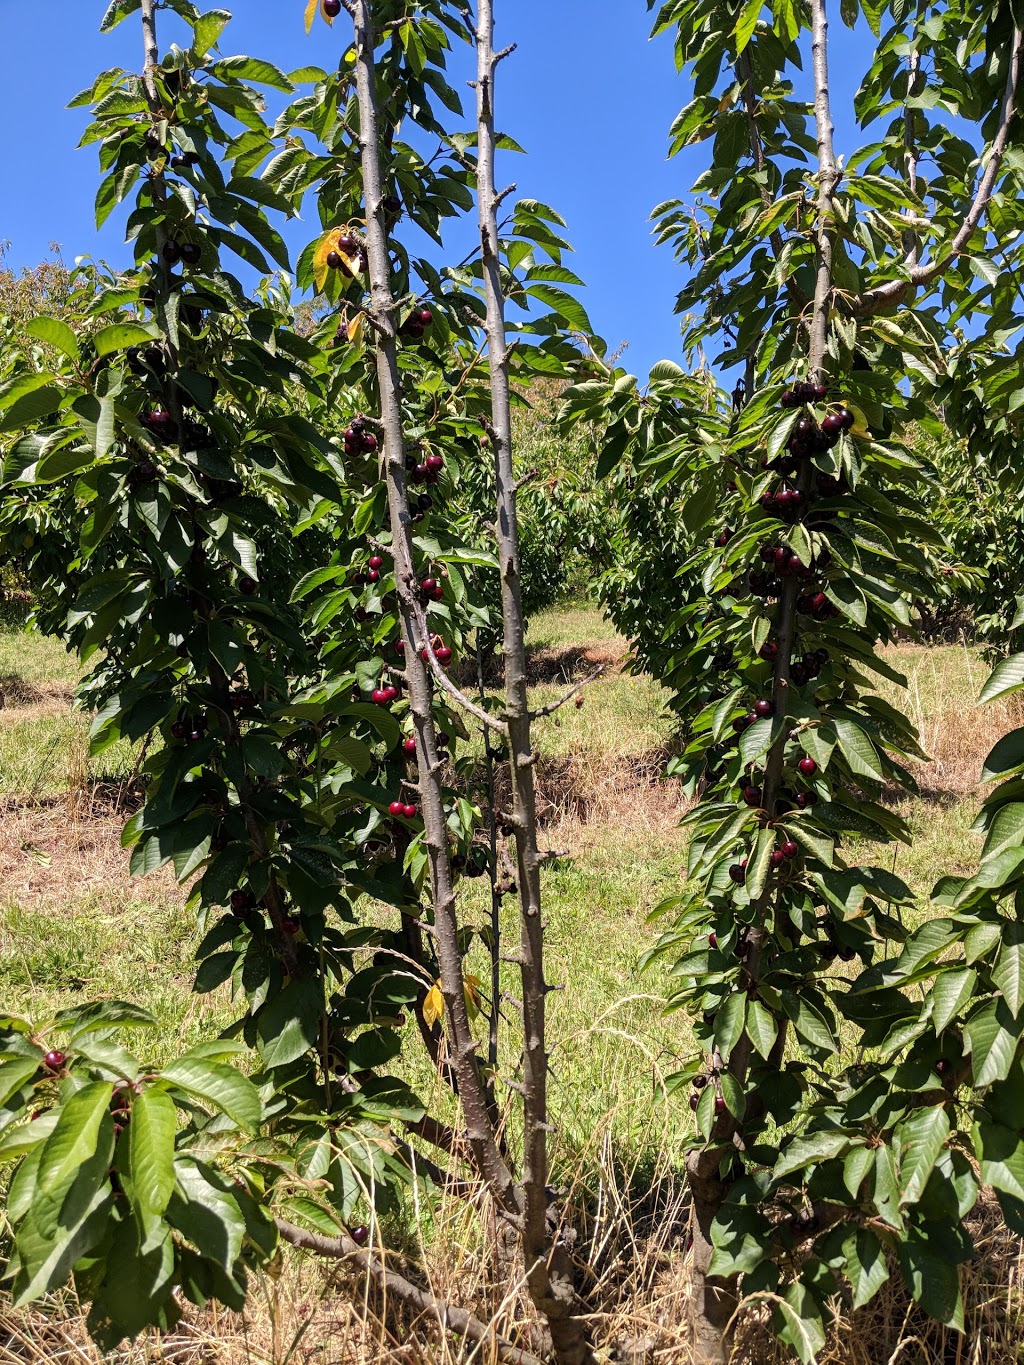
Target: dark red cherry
(808, 767)
(763, 708)
(790, 849)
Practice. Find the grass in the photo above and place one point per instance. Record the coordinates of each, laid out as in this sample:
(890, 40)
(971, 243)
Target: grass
(74, 925)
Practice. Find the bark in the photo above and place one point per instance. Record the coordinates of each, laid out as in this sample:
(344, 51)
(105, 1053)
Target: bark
(547, 1257)
(480, 1134)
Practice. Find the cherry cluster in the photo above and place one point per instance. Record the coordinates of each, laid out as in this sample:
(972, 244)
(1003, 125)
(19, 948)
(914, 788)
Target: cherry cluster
(359, 441)
(190, 253)
(416, 323)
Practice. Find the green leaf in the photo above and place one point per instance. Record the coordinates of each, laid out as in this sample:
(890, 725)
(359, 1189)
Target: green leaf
(32, 407)
(120, 335)
(218, 1084)
(290, 1024)
(151, 1150)
(729, 1022)
(991, 1034)
(116, 11)
(747, 22)
(73, 1140)
(858, 748)
(1006, 677)
(54, 333)
(931, 1275)
(865, 1265)
(801, 1323)
(921, 1139)
(1001, 1156)
(762, 1027)
(208, 28)
(1008, 973)
(950, 993)
(252, 69)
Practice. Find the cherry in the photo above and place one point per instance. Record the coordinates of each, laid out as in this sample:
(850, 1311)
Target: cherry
(847, 954)
(719, 1104)
(334, 260)
(159, 418)
(752, 796)
(426, 317)
(847, 418)
(369, 443)
(769, 651)
(435, 463)
(763, 708)
(399, 646)
(409, 745)
(799, 674)
(694, 1100)
(443, 654)
(724, 539)
(738, 874)
(819, 392)
(379, 696)
(348, 244)
(806, 799)
(290, 925)
(373, 576)
(790, 849)
(428, 585)
(740, 724)
(712, 942)
(777, 858)
(409, 812)
(376, 562)
(54, 1060)
(822, 656)
(832, 424)
(358, 1234)
(171, 253)
(179, 730)
(247, 585)
(752, 717)
(790, 399)
(828, 952)
(391, 692)
(943, 1066)
(239, 900)
(397, 808)
(361, 614)
(818, 602)
(191, 253)
(808, 767)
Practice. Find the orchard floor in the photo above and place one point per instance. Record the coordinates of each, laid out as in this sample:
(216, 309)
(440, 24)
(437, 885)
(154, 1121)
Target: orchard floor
(74, 925)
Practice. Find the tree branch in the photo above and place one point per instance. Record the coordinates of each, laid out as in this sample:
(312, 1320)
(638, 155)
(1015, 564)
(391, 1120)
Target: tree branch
(892, 292)
(548, 1265)
(480, 1131)
(449, 1318)
(557, 705)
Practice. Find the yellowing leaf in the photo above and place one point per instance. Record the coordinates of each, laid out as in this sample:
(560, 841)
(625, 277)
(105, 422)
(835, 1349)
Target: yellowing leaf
(472, 986)
(355, 328)
(331, 241)
(433, 1005)
(311, 10)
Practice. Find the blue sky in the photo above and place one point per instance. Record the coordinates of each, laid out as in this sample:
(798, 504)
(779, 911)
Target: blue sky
(587, 94)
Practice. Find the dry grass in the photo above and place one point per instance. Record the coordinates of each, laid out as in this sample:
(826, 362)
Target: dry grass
(73, 924)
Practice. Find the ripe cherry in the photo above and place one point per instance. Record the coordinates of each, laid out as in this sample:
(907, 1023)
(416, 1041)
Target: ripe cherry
(943, 1066)
(391, 692)
(806, 799)
(739, 724)
(694, 1100)
(777, 858)
(369, 443)
(832, 424)
(426, 317)
(409, 811)
(819, 392)
(738, 874)
(179, 730)
(247, 585)
(719, 1104)
(397, 808)
(712, 940)
(334, 260)
(290, 925)
(434, 463)
(373, 576)
(428, 585)
(359, 1234)
(171, 253)
(399, 646)
(769, 651)
(376, 562)
(790, 849)
(54, 1060)
(191, 253)
(752, 796)
(763, 708)
(239, 900)
(808, 767)
(443, 654)
(348, 244)
(847, 418)
(409, 745)
(379, 696)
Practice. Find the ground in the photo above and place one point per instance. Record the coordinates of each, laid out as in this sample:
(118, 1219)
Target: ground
(74, 925)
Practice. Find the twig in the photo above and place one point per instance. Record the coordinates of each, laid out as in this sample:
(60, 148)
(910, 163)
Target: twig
(449, 1318)
(556, 705)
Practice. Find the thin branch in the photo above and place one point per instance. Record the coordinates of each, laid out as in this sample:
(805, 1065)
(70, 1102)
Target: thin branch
(894, 291)
(449, 1318)
(557, 705)
(480, 1132)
